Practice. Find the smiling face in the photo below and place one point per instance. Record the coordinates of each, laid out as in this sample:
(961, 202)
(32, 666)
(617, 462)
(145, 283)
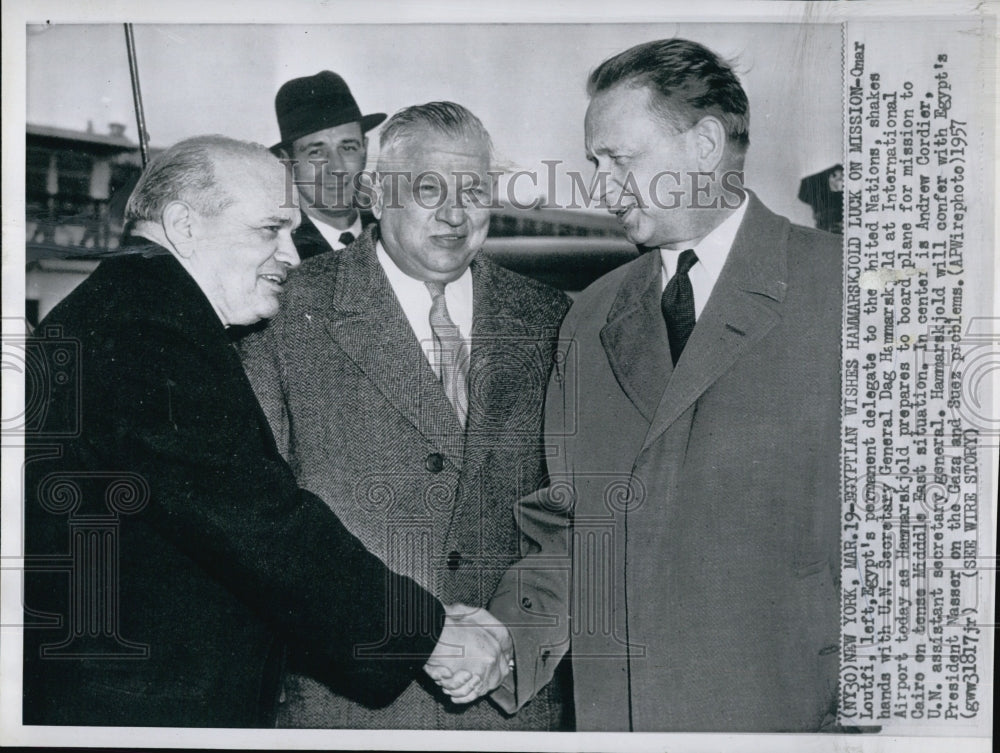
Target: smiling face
(433, 210)
(241, 257)
(338, 154)
(636, 149)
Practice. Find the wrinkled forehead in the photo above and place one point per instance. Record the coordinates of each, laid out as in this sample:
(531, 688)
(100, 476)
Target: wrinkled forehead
(436, 152)
(258, 182)
(621, 106)
(264, 172)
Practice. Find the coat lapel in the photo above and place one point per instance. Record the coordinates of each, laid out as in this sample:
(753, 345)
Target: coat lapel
(745, 304)
(366, 321)
(502, 343)
(188, 309)
(308, 240)
(635, 337)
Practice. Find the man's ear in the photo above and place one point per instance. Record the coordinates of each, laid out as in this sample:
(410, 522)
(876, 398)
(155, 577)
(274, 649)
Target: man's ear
(710, 142)
(178, 225)
(378, 196)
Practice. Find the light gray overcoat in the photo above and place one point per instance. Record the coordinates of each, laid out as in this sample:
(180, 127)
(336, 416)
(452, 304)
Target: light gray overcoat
(706, 498)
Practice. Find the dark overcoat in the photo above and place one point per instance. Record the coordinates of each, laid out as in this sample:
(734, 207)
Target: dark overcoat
(366, 426)
(170, 553)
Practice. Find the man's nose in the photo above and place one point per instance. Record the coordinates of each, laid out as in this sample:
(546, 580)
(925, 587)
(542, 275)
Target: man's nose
(335, 162)
(287, 254)
(451, 211)
(599, 185)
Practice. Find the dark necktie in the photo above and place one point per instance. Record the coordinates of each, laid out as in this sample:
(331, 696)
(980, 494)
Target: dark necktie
(451, 353)
(347, 238)
(677, 303)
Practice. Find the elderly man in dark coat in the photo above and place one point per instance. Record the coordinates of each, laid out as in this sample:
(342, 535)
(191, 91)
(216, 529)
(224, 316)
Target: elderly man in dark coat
(193, 557)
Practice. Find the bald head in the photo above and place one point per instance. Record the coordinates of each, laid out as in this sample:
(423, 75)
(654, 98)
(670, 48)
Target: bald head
(193, 171)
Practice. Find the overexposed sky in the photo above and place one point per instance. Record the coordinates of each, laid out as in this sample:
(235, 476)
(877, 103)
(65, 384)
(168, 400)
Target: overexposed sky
(526, 82)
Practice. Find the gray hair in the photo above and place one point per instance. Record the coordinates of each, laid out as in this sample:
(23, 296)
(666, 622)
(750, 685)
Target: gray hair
(448, 118)
(186, 172)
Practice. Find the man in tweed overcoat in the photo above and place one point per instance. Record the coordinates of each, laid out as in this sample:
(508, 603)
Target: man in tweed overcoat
(345, 375)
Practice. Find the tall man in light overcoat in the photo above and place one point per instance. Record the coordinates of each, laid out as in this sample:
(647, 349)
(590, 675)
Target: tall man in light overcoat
(694, 410)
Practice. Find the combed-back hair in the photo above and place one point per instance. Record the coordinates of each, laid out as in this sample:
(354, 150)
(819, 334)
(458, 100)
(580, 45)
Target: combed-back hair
(186, 172)
(448, 118)
(687, 82)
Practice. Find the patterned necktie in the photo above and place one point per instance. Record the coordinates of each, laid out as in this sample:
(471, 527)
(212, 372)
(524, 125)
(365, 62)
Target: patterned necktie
(451, 353)
(677, 303)
(347, 238)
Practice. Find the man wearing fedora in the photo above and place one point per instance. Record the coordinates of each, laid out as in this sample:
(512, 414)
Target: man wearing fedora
(323, 134)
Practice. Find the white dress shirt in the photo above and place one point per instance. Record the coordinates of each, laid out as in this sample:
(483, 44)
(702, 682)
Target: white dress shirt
(332, 235)
(712, 252)
(415, 299)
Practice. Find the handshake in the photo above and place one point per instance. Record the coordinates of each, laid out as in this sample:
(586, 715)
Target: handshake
(473, 656)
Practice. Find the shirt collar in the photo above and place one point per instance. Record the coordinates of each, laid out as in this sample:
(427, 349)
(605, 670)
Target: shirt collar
(332, 234)
(713, 249)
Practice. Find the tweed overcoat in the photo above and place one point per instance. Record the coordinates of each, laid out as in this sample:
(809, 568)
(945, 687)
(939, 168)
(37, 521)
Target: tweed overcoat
(706, 497)
(170, 553)
(366, 426)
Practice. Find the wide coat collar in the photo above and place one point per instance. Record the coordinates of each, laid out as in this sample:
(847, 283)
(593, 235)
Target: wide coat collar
(146, 286)
(744, 305)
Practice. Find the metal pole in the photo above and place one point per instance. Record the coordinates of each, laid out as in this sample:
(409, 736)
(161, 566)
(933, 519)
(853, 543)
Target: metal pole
(140, 117)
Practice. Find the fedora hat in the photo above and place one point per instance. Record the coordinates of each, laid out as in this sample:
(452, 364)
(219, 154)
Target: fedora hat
(313, 103)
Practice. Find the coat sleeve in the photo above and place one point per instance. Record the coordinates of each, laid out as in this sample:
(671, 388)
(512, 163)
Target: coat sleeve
(533, 597)
(181, 413)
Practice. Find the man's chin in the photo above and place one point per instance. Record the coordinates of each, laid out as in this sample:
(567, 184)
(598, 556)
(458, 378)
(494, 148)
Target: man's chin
(637, 237)
(332, 204)
(267, 308)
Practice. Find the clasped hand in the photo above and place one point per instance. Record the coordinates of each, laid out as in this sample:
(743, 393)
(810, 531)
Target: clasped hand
(473, 655)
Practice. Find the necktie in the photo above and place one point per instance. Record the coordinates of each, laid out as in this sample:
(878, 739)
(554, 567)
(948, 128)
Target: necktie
(347, 238)
(451, 352)
(677, 303)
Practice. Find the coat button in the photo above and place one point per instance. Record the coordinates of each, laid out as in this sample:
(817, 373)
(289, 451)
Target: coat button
(526, 602)
(434, 462)
(454, 558)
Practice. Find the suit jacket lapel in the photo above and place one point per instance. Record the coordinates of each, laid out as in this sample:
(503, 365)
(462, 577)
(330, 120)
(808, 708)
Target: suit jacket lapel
(366, 321)
(308, 240)
(635, 337)
(745, 304)
(499, 338)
